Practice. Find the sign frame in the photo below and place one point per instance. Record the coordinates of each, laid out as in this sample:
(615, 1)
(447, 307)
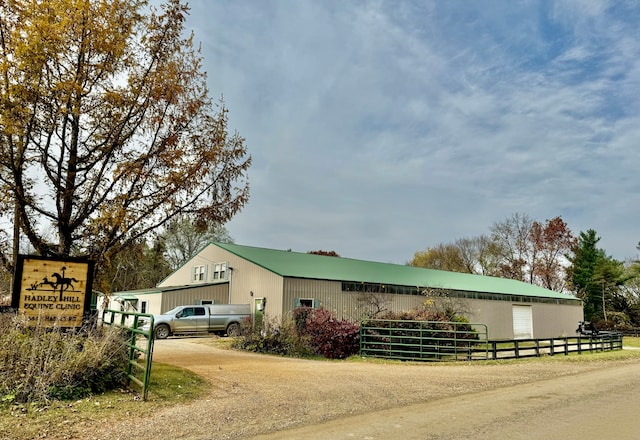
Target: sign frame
(53, 290)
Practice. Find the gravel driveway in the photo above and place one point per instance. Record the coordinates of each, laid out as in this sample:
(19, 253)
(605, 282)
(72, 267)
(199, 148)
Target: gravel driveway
(254, 394)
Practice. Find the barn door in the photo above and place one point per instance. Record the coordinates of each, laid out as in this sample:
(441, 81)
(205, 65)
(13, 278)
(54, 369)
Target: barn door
(522, 322)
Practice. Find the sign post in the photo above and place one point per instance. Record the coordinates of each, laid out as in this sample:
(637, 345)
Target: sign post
(53, 291)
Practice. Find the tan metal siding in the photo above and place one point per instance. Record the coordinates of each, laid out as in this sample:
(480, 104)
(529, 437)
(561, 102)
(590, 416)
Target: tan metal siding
(207, 257)
(549, 320)
(245, 278)
(218, 293)
(249, 281)
(556, 320)
(495, 314)
(346, 305)
(326, 292)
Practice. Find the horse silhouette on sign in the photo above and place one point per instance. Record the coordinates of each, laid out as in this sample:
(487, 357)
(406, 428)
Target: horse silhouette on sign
(63, 283)
(46, 282)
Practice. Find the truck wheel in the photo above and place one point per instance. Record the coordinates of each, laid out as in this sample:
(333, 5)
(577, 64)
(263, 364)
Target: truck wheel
(233, 329)
(162, 332)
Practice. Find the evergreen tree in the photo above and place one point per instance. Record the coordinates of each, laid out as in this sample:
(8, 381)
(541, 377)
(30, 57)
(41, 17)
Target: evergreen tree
(595, 277)
(580, 274)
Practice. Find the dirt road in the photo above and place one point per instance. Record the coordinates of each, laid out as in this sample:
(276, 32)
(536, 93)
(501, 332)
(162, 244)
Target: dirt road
(266, 397)
(595, 405)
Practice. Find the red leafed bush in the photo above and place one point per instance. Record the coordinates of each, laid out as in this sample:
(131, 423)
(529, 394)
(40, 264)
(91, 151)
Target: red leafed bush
(330, 337)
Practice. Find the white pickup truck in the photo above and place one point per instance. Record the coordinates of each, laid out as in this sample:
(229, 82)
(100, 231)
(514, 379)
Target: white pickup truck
(210, 318)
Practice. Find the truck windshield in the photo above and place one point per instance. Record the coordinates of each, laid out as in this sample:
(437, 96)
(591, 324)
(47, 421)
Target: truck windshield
(172, 311)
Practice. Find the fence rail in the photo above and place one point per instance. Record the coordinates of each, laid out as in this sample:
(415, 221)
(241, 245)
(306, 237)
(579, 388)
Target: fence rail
(423, 340)
(453, 341)
(129, 323)
(522, 348)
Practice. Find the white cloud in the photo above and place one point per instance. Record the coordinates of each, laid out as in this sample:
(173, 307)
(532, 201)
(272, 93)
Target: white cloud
(380, 129)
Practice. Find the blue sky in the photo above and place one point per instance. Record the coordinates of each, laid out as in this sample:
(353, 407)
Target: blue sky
(381, 128)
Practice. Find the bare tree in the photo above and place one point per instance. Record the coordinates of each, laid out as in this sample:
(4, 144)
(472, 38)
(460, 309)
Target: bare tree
(372, 305)
(442, 301)
(511, 238)
(183, 238)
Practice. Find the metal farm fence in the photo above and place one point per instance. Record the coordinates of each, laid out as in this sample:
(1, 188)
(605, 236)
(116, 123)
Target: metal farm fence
(138, 370)
(423, 340)
(455, 341)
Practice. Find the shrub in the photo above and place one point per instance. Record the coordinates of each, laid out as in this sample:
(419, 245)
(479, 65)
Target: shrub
(330, 337)
(274, 338)
(306, 332)
(40, 363)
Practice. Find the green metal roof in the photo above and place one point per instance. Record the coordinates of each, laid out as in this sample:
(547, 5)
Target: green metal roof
(303, 265)
(133, 294)
(127, 297)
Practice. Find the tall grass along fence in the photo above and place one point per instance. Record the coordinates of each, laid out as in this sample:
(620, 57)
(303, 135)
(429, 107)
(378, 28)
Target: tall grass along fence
(139, 344)
(455, 341)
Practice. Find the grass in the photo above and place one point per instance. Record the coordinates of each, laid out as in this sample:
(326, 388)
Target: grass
(631, 341)
(168, 386)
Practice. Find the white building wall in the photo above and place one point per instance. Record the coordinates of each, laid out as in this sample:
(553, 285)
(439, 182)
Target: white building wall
(154, 302)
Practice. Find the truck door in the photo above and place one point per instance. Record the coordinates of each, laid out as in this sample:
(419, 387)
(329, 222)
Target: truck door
(202, 319)
(186, 320)
(218, 318)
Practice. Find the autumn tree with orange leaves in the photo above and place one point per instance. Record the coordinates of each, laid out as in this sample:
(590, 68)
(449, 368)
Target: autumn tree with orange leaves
(551, 241)
(517, 248)
(107, 131)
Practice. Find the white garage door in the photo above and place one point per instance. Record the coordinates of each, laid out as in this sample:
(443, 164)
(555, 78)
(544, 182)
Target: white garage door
(522, 322)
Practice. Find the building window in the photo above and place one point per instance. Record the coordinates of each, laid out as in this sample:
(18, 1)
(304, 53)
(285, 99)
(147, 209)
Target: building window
(348, 286)
(143, 307)
(306, 302)
(199, 273)
(220, 271)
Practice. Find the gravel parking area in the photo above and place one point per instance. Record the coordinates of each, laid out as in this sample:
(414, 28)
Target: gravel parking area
(254, 394)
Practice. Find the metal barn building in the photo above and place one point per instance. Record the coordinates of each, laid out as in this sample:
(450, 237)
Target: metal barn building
(275, 282)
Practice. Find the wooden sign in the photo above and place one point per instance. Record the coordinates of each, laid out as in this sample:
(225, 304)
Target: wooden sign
(53, 291)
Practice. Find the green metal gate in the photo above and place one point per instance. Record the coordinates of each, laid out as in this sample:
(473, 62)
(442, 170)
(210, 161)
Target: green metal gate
(423, 340)
(129, 322)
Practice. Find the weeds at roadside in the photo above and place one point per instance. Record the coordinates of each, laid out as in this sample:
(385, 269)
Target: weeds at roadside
(40, 363)
(168, 386)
